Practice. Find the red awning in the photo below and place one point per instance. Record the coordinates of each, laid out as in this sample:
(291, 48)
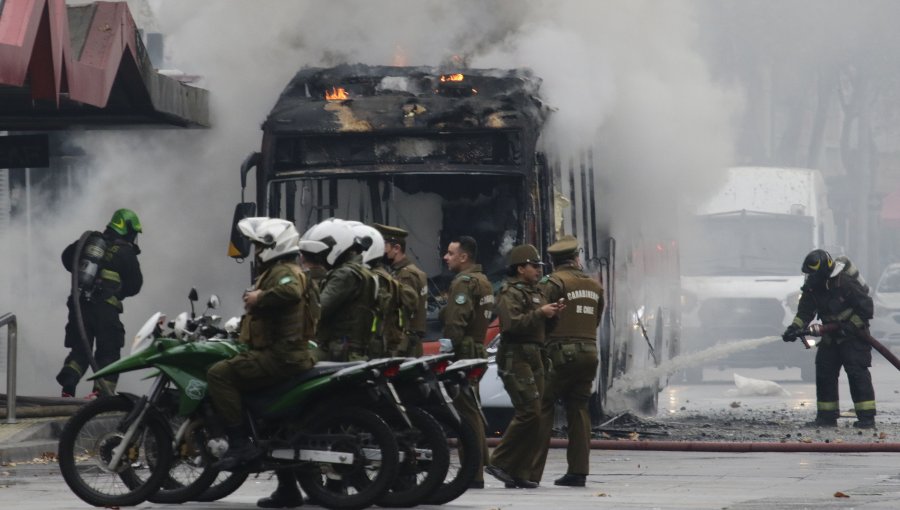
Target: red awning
(61, 66)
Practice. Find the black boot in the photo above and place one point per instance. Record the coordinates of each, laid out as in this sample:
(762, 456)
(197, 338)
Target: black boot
(825, 419)
(865, 422)
(240, 450)
(286, 495)
(570, 480)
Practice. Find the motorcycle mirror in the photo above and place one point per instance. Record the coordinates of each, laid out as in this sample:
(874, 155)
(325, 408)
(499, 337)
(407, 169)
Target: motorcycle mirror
(192, 295)
(213, 302)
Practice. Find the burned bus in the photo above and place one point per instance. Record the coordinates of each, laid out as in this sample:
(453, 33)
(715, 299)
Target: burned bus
(444, 153)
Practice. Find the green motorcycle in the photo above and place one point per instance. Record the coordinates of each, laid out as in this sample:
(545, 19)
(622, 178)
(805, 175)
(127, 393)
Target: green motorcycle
(119, 450)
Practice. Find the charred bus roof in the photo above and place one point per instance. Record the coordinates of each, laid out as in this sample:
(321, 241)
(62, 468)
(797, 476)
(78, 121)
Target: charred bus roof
(360, 98)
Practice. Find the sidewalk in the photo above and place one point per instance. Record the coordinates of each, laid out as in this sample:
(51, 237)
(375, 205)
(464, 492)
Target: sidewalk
(35, 433)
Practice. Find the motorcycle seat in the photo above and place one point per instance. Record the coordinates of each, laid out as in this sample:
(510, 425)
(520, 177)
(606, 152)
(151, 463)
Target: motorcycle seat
(257, 402)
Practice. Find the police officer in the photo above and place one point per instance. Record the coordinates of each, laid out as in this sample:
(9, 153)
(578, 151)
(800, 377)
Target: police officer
(408, 274)
(276, 327)
(572, 351)
(523, 313)
(394, 298)
(119, 276)
(287, 494)
(348, 299)
(834, 292)
(466, 318)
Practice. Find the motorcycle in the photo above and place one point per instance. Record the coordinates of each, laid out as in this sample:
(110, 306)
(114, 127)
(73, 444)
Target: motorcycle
(459, 377)
(424, 447)
(118, 450)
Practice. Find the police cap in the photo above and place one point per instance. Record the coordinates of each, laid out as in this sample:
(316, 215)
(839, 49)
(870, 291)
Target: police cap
(566, 246)
(391, 234)
(523, 254)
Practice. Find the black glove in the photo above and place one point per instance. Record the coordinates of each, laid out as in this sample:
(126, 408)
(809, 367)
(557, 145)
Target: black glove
(791, 333)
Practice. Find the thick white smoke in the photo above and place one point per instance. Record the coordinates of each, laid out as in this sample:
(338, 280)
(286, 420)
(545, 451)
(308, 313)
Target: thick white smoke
(623, 76)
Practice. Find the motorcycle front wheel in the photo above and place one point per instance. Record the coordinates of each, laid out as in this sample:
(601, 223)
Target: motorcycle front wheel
(88, 443)
(426, 459)
(191, 473)
(354, 486)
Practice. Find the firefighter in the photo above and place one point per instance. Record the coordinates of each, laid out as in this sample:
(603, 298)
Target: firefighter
(348, 298)
(408, 274)
(834, 292)
(276, 327)
(572, 352)
(116, 275)
(466, 318)
(523, 313)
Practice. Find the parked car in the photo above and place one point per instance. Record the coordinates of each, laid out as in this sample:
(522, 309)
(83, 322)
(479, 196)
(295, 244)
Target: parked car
(885, 327)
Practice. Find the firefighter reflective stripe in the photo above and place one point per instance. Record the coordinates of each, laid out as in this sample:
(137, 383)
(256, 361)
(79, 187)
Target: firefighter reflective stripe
(831, 406)
(857, 321)
(799, 322)
(76, 367)
(113, 300)
(112, 276)
(838, 317)
(866, 405)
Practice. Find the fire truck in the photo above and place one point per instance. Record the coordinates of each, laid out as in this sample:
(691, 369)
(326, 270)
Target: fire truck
(450, 152)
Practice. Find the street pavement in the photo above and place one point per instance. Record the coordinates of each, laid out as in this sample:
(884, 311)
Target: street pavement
(638, 480)
(629, 479)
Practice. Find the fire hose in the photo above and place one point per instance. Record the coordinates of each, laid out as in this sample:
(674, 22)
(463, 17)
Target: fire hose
(79, 318)
(815, 330)
(709, 446)
(821, 329)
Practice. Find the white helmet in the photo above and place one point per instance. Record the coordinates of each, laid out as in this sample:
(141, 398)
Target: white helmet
(278, 236)
(330, 238)
(376, 248)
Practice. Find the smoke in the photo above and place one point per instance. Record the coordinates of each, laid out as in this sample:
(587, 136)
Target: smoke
(624, 78)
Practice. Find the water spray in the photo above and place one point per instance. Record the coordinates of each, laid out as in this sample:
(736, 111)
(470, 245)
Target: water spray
(648, 377)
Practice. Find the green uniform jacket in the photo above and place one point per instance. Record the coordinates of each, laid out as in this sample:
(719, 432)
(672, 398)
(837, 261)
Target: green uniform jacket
(584, 303)
(278, 324)
(348, 303)
(408, 274)
(467, 315)
(518, 305)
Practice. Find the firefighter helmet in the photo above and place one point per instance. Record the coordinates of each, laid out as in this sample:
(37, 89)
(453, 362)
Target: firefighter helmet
(125, 221)
(818, 264)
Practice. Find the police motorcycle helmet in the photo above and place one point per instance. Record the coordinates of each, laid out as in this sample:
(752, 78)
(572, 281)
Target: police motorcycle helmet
(276, 237)
(818, 266)
(328, 239)
(371, 236)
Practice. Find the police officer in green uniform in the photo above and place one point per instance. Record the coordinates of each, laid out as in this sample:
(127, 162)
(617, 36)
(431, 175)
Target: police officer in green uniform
(119, 276)
(348, 299)
(408, 274)
(466, 318)
(834, 292)
(572, 351)
(393, 297)
(523, 313)
(276, 327)
(287, 494)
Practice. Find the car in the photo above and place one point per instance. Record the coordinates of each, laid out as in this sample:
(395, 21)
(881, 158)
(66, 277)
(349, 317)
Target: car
(885, 326)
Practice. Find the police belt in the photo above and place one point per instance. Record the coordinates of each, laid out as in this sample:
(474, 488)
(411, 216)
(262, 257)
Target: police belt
(558, 343)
